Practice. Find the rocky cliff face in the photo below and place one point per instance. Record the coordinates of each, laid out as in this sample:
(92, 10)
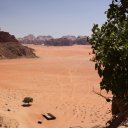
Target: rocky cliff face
(67, 41)
(11, 48)
(6, 37)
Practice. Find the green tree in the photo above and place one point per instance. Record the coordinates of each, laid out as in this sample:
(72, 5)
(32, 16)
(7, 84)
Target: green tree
(110, 49)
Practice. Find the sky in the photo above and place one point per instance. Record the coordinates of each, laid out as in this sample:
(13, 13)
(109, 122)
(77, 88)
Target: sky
(51, 17)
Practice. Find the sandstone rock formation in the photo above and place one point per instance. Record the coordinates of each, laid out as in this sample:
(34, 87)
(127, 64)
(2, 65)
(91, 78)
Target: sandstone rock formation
(31, 39)
(11, 48)
(50, 41)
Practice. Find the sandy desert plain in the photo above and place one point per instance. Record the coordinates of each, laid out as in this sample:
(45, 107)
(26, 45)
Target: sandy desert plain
(60, 82)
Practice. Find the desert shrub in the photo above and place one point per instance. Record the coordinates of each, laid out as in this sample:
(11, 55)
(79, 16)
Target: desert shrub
(27, 101)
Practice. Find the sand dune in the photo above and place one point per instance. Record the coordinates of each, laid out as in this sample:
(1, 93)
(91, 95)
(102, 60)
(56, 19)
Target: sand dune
(60, 81)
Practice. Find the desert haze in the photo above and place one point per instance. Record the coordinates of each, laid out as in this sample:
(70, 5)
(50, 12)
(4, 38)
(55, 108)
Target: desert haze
(60, 82)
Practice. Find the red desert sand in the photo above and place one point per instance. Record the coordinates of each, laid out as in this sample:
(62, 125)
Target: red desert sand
(61, 81)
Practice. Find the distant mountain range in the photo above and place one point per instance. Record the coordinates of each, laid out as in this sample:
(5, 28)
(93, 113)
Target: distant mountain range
(50, 41)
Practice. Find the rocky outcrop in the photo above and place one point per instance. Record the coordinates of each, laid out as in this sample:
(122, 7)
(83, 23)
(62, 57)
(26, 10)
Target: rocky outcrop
(6, 37)
(67, 41)
(82, 40)
(11, 48)
(59, 42)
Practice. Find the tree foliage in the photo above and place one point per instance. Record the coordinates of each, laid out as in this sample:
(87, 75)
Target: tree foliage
(110, 49)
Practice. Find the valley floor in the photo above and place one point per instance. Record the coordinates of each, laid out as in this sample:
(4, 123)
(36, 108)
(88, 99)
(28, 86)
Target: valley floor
(60, 81)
